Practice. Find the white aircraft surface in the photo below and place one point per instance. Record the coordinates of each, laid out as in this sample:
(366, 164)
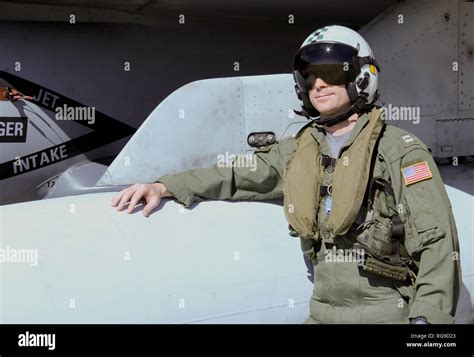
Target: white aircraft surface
(68, 257)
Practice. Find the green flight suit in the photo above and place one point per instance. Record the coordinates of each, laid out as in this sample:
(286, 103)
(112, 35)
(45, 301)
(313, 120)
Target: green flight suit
(344, 292)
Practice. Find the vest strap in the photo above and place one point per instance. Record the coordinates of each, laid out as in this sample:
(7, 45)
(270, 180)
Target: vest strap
(325, 190)
(328, 161)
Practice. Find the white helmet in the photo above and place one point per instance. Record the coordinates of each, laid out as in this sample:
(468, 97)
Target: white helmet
(338, 55)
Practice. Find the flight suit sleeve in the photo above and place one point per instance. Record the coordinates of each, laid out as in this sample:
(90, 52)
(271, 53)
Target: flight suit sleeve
(260, 179)
(431, 240)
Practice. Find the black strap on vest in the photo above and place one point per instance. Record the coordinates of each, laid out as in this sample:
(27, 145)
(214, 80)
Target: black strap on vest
(328, 161)
(386, 187)
(325, 190)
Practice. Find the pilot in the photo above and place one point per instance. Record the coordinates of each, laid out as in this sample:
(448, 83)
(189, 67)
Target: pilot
(365, 198)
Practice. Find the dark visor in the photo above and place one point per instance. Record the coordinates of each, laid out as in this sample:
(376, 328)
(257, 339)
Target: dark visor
(332, 62)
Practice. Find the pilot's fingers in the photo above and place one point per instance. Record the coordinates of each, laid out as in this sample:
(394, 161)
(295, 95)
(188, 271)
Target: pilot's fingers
(126, 195)
(119, 195)
(135, 198)
(116, 199)
(152, 203)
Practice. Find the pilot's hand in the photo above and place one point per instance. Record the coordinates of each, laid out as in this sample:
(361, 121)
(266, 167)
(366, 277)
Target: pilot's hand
(152, 193)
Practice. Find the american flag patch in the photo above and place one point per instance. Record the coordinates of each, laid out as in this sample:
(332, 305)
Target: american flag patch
(416, 173)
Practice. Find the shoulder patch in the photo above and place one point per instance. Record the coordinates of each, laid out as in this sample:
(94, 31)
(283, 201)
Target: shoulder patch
(416, 173)
(396, 143)
(408, 140)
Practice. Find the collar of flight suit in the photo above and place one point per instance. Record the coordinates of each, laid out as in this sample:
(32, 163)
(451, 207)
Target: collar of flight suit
(318, 132)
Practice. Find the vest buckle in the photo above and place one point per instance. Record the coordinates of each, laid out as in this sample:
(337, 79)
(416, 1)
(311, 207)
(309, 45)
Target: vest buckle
(327, 161)
(325, 190)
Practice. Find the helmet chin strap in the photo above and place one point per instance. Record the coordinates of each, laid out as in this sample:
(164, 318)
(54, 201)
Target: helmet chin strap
(333, 120)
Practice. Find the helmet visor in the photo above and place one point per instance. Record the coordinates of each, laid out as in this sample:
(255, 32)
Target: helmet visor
(334, 63)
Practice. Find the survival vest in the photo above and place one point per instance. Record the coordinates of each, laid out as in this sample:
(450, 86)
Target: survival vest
(352, 177)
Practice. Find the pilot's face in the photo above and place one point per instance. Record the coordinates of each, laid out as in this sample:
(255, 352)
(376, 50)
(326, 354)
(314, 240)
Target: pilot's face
(329, 99)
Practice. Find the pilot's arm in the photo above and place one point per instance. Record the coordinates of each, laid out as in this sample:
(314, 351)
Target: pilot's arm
(261, 180)
(431, 239)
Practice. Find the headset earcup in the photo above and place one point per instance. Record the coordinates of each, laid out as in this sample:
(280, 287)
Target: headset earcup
(298, 91)
(352, 92)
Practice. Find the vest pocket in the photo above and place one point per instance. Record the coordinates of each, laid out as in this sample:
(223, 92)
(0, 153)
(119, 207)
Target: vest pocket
(375, 239)
(384, 255)
(381, 235)
(422, 227)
